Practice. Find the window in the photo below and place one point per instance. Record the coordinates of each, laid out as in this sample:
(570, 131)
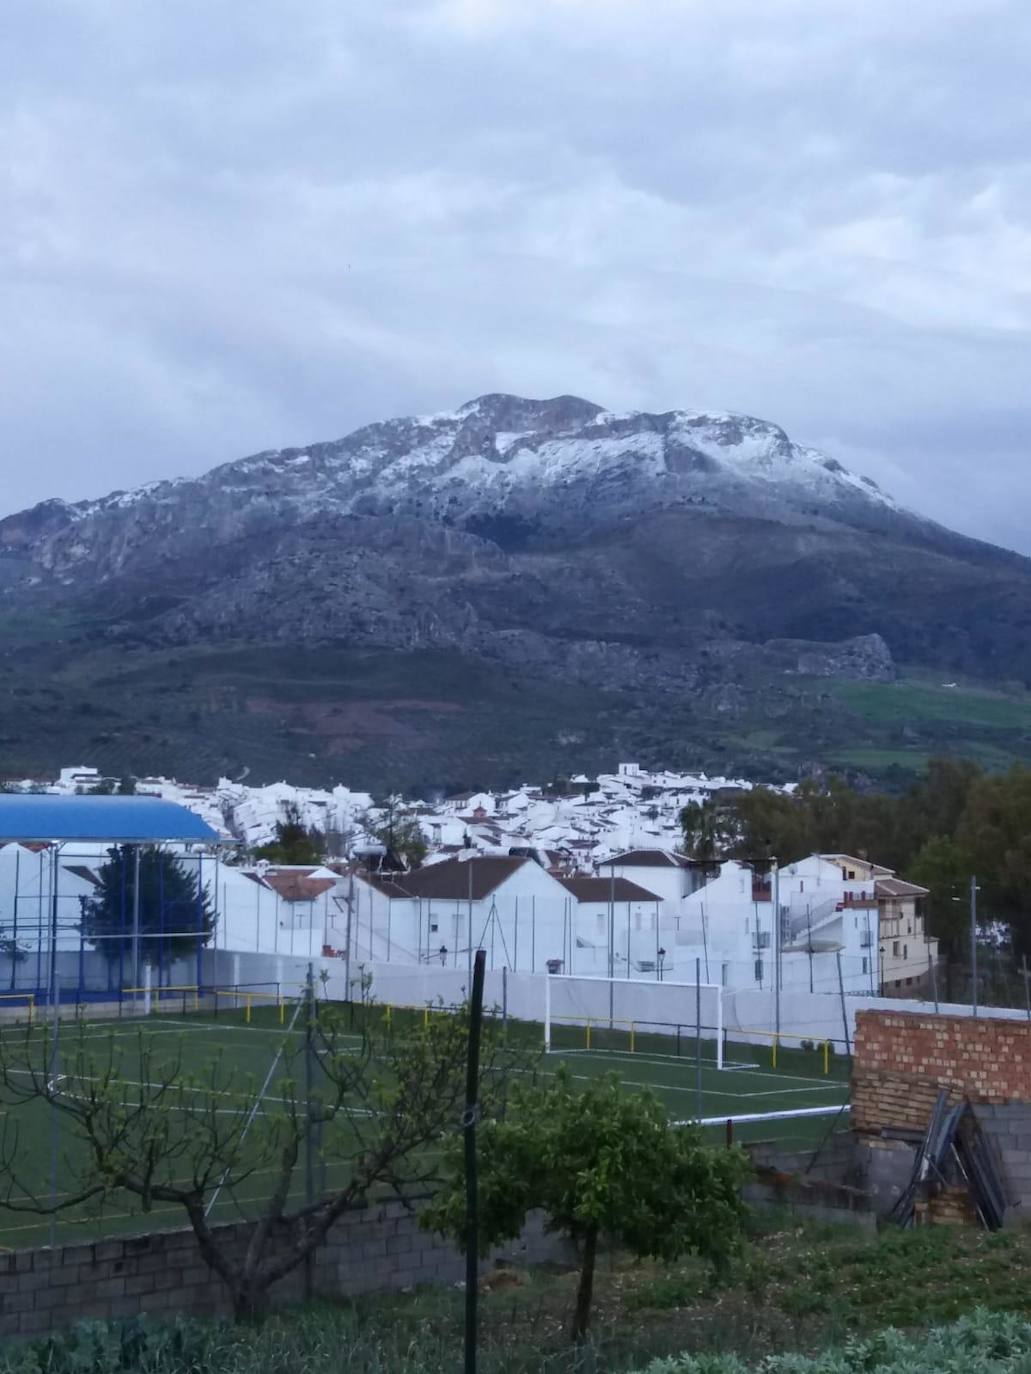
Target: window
(865, 963)
(905, 951)
(601, 921)
(801, 886)
(433, 924)
(851, 874)
(895, 948)
(724, 974)
(758, 970)
(909, 982)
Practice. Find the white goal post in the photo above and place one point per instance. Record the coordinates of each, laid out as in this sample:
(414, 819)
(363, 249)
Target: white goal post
(661, 1011)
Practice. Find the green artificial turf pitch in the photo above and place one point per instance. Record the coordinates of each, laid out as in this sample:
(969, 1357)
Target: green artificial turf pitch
(246, 1051)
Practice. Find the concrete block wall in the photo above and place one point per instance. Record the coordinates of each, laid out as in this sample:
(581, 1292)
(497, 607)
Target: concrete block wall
(162, 1274)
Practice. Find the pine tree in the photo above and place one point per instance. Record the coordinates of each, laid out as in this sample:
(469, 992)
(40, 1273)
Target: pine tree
(174, 912)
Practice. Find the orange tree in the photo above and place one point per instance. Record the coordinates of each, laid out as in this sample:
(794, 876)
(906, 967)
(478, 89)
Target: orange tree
(599, 1163)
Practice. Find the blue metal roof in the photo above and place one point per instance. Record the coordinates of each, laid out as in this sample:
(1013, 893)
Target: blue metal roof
(34, 816)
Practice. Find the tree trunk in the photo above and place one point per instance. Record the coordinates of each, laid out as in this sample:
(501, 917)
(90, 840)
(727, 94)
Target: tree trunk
(250, 1301)
(585, 1290)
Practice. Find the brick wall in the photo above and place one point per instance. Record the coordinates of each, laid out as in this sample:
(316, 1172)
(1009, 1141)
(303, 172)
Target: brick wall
(163, 1274)
(902, 1059)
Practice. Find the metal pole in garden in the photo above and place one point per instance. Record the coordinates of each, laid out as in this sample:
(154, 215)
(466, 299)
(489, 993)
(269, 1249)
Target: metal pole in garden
(472, 1083)
(309, 1138)
(698, 1035)
(1027, 986)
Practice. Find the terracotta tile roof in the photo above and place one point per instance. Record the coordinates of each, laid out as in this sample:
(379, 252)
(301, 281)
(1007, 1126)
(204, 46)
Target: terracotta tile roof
(895, 887)
(388, 887)
(607, 890)
(645, 858)
(296, 885)
(458, 878)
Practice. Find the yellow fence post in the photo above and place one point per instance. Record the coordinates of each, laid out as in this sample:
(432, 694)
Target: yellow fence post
(425, 1017)
(826, 1056)
(773, 1051)
(633, 1035)
(588, 1046)
(247, 1009)
(389, 1017)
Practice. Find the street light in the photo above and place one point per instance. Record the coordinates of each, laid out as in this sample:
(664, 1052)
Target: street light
(662, 955)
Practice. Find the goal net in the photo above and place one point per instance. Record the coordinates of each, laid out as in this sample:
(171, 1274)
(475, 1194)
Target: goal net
(629, 1015)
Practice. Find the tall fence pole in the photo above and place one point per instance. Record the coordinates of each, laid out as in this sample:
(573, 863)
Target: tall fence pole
(472, 1229)
(53, 1075)
(844, 1012)
(1027, 985)
(973, 944)
(775, 894)
(933, 973)
(136, 922)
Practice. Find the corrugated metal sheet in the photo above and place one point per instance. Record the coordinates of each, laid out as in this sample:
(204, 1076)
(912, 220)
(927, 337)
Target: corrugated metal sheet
(110, 819)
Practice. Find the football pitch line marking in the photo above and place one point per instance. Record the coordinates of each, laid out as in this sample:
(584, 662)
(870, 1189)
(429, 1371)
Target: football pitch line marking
(708, 1066)
(692, 1088)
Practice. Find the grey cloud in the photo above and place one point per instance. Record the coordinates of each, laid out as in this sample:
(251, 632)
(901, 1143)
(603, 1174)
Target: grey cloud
(227, 228)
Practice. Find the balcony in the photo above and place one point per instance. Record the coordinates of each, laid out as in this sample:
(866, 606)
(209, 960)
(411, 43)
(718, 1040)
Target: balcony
(854, 899)
(762, 892)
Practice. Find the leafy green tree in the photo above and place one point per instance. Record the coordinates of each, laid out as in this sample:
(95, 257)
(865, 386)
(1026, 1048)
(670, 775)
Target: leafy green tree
(706, 832)
(401, 833)
(295, 843)
(944, 868)
(174, 910)
(598, 1162)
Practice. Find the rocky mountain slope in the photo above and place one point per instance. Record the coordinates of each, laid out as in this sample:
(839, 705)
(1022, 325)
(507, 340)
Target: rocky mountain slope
(692, 558)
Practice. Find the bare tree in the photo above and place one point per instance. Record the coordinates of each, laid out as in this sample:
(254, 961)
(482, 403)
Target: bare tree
(376, 1106)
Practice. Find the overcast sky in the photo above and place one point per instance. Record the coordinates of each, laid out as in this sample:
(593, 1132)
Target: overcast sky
(232, 226)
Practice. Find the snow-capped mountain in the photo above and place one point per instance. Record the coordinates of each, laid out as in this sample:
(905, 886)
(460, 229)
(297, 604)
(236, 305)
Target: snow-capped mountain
(510, 468)
(494, 573)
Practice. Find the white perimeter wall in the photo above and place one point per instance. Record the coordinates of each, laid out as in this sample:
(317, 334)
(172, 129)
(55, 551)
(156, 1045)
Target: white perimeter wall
(749, 1015)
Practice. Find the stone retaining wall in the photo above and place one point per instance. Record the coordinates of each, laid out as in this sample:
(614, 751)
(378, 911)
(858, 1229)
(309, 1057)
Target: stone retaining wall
(162, 1273)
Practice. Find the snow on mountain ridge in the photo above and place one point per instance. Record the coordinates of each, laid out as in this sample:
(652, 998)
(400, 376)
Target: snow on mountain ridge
(563, 465)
